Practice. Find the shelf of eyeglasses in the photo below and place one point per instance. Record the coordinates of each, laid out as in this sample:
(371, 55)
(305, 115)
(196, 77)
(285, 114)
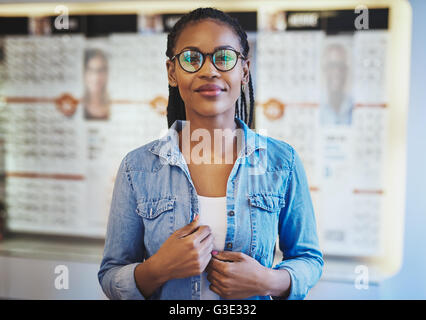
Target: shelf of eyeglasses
(289, 118)
(43, 109)
(15, 153)
(351, 238)
(370, 126)
(21, 220)
(58, 204)
(44, 183)
(60, 48)
(44, 153)
(46, 168)
(141, 68)
(368, 119)
(24, 154)
(350, 245)
(369, 180)
(295, 52)
(296, 72)
(38, 79)
(367, 114)
(139, 88)
(370, 58)
(26, 202)
(275, 110)
(44, 215)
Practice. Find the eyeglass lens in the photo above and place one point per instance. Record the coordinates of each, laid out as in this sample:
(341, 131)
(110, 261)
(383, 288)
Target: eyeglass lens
(192, 60)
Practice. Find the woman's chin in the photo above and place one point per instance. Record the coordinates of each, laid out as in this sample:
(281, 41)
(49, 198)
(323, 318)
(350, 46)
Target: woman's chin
(212, 112)
(210, 109)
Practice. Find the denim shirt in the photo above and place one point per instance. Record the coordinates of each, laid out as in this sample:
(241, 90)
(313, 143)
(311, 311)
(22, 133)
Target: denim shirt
(267, 198)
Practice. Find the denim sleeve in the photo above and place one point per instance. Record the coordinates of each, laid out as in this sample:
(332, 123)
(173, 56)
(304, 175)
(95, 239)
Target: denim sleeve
(124, 248)
(298, 238)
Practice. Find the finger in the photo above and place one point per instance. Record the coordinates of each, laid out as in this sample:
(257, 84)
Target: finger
(208, 238)
(205, 251)
(215, 277)
(206, 246)
(200, 234)
(215, 283)
(209, 266)
(220, 266)
(205, 261)
(216, 290)
(229, 256)
(188, 229)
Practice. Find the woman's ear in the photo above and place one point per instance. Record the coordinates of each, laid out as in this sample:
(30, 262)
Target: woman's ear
(246, 72)
(171, 74)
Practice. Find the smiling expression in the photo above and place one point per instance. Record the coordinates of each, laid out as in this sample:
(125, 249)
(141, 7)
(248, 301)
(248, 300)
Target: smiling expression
(208, 92)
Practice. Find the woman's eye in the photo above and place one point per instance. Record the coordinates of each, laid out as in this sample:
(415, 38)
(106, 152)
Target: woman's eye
(224, 57)
(192, 58)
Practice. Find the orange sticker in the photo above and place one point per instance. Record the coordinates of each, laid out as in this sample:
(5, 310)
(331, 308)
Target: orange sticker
(273, 109)
(159, 104)
(66, 104)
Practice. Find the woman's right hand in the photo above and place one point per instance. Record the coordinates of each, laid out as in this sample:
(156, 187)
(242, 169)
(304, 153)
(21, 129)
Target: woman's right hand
(187, 251)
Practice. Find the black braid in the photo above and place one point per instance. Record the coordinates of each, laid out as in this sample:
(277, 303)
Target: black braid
(251, 97)
(176, 106)
(178, 109)
(243, 104)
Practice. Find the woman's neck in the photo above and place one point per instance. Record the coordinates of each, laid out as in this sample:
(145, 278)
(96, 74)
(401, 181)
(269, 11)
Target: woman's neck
(214, 139)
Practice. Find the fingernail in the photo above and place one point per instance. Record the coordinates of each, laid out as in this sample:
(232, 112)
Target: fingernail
(214, 252)
(196, 217)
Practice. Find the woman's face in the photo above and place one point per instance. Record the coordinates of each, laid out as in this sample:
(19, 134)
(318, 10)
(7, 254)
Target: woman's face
(96, 75)
(207, 35)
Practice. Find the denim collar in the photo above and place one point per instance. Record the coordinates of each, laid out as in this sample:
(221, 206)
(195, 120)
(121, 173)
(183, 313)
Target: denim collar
(167, 147)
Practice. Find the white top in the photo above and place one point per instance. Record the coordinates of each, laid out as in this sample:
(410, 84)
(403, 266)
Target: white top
(212, 212)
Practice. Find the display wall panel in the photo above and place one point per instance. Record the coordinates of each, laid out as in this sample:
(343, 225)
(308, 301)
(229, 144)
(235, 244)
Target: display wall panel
(351, 159)
(56, 135)
(327, 99)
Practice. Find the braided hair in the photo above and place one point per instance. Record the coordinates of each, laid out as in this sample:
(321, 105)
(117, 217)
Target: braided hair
(176, 106)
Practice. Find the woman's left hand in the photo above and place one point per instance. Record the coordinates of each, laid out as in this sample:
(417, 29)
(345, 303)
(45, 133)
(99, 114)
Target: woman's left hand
(235, 275)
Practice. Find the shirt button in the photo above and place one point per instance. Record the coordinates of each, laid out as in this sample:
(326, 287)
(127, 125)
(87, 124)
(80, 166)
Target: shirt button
(229, 245)
(231, 213)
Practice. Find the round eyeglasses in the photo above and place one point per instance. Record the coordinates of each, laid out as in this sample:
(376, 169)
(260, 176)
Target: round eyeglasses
(192, 60)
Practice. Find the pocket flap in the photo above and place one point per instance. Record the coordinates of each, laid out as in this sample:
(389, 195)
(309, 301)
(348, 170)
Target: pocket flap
(267, 201)
(151, 209)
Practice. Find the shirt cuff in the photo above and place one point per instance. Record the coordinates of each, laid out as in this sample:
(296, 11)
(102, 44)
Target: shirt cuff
(125, 283)
(298, 287)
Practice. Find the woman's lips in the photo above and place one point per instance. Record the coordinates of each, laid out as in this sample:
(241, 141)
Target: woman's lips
(210, 93)
(209, 90)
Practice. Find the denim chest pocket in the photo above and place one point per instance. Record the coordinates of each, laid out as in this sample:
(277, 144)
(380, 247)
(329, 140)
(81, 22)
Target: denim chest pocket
(158, 217)
(267, 201)
(151, 209)
(264, 215)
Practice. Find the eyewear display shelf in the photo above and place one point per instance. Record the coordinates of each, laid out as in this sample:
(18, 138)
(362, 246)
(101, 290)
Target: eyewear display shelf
(58, 165)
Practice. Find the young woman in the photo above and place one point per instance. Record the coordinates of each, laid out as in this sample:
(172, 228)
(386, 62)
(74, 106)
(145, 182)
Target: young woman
(181, 228)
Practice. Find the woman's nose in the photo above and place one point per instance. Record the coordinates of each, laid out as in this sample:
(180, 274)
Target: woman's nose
(208, 69)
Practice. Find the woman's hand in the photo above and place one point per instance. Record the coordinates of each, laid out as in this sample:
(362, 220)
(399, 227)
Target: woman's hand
(235, 275)
(186, 252)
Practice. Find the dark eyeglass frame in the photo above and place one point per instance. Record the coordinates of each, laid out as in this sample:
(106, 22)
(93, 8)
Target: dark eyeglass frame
(205, 55)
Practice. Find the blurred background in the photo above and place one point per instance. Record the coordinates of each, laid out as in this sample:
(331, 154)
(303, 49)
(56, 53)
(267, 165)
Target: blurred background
(84, 82)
